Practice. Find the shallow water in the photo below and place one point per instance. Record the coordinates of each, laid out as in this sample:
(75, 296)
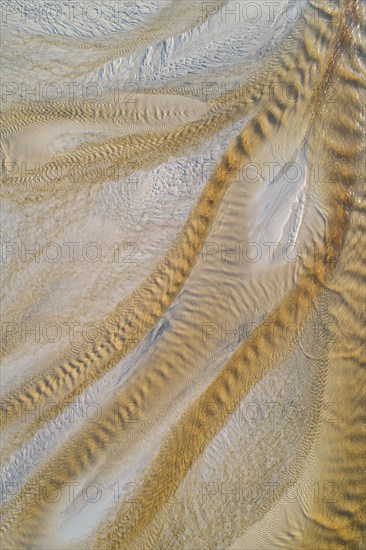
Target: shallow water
(183, 266)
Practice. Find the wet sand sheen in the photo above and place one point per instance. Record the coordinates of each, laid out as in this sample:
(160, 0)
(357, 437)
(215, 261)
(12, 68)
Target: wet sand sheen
(179, 373)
